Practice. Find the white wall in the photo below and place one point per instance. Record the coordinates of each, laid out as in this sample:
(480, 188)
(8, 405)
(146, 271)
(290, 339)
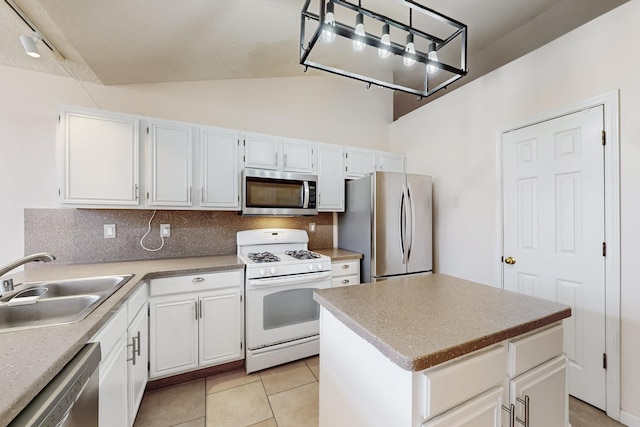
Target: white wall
(318, 108)
(454, 140)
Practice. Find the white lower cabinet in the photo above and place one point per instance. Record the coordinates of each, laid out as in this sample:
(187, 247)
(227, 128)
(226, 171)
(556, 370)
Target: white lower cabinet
(123, 369)
(196, 321)
(345, 273)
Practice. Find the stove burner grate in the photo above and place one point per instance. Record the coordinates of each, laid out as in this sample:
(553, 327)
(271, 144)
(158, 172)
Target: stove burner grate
(259, 257)
(302, 254)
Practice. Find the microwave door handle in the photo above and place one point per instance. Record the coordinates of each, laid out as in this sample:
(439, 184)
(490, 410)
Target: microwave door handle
(403, 224)
(305, 196)
(411, 212)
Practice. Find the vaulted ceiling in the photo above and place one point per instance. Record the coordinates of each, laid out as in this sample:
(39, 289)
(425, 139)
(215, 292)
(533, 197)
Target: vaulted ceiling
(149, 41)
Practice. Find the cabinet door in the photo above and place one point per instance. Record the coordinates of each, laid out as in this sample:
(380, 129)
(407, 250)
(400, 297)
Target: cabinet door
(482, 411)
(390, 162)
(359, 163)
(299, 156)
(112, 398)
(173, 335)
(138, 343)
(100, 158)
(221, 327)
(262, 151)
(546, 388)
(169, 164)
(330, 179)
(219, 167)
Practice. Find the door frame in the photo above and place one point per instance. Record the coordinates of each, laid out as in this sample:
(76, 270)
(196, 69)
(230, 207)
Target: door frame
(610, 102)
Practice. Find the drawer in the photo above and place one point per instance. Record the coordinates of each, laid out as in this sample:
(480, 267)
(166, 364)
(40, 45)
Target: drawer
(196, 282)
(111, 332)
(345, 268)
(533, 350)
(136, 301)
(354, 279)
(484, 410)
(478, 372)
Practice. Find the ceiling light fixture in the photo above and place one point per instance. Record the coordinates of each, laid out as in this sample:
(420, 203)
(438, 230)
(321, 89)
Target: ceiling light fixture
(29, 42)
(438, 42)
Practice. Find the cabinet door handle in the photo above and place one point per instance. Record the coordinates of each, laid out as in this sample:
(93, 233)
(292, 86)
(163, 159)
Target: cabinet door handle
(201, 309)
(202, 194)
(197, 279)
(136, 192)
(133, 349)
(525, 402)
(137, 341)
(196, 303)
(511, 409)
(189, 201)
(285, 160)
(345, 266)
(276, 158)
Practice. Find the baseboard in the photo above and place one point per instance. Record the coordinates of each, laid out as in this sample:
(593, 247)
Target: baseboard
(629, 419)
(193, 375)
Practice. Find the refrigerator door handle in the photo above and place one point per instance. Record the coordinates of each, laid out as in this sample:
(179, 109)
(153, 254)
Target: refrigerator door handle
(404, 216)
(410, 215)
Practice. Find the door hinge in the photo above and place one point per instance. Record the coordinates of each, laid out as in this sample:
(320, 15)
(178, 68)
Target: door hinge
(604, 138)
(240, 298)
(604, 360)
(59, 192)
(604, 248)
(240, 345)
(59, 119)
(147, 130)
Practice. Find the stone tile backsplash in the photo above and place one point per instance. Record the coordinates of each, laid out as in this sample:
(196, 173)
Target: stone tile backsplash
(77, 235)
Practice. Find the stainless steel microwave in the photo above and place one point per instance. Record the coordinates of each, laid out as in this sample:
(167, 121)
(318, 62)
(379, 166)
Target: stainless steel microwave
(267, 192)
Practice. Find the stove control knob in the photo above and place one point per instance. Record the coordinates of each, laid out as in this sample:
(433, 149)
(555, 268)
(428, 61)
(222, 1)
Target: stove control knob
(310, 267)
(319, 266)
(262, 272)
(273, 270)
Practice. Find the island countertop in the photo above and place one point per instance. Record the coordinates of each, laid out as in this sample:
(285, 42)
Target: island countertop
(422, 321)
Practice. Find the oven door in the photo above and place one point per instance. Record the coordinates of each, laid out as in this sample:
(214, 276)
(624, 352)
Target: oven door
(281, 309)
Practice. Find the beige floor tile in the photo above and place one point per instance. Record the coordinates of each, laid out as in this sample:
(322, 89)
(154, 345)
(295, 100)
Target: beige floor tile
(271, 422)
(285, 377)
(172, 406)
(584, 415)
(311, 361)
(231, 379)
(239, 406)
(297, 407)
(200, 422)
(316, 371)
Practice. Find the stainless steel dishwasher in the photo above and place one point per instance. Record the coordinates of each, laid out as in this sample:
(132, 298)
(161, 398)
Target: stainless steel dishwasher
(71, 398)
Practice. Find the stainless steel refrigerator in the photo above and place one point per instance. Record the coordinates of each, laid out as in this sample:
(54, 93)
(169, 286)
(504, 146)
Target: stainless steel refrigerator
(388, 219)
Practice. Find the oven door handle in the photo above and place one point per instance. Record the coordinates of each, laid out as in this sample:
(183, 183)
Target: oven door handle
(299, 278)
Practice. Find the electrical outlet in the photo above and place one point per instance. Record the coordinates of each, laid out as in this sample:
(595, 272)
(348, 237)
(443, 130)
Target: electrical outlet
(165, 230)
(109, 231)
(312, 227)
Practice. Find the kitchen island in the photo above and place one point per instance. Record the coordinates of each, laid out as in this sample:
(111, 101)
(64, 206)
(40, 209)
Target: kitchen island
(438, 351)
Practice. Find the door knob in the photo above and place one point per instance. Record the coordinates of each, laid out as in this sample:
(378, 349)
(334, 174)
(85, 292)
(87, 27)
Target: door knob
(510, 260)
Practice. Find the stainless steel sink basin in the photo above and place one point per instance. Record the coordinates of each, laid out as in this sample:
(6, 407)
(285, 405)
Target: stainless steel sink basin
(56, 302)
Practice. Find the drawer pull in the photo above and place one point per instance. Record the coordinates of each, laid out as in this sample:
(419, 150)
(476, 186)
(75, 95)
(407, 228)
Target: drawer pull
(198, 279)
(345, 281)
(345, 266)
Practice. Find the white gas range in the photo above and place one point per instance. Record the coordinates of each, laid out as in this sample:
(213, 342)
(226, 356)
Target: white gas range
(282, 319)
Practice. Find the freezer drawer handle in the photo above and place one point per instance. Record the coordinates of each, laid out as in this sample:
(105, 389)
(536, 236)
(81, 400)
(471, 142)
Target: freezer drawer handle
(198, 279)
(345, 266)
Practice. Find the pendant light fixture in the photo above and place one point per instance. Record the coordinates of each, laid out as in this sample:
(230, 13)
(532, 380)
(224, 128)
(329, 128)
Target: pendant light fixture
(439, 43)
(383, 51)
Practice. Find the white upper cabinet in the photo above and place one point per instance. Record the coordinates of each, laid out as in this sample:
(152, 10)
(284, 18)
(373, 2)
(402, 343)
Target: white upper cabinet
(98, 154)
(360, 162)
(330, 180)
(169, 161)
(219, 169)
(274, 153)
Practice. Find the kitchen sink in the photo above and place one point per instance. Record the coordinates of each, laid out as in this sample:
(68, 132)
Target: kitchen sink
(56, 302)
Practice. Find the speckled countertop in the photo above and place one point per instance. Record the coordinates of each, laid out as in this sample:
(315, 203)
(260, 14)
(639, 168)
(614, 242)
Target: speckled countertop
(337, 254)
(422, 321)
(29, 359)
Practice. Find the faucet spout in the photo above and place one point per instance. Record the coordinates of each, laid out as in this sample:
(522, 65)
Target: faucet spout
(42, 256)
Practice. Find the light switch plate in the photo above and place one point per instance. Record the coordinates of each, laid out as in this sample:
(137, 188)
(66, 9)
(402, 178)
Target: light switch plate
(109, 231)
(165, 230)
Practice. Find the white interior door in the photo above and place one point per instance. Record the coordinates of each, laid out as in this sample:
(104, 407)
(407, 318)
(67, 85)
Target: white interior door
(554, 227)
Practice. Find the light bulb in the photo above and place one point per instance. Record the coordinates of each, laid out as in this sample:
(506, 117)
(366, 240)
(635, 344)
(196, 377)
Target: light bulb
(432, 55)
(410, 48)
(328, 34)
(384, 53)
(358, 46)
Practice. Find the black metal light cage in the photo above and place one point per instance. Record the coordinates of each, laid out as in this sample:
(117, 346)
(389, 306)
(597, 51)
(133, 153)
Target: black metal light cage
(341, 29)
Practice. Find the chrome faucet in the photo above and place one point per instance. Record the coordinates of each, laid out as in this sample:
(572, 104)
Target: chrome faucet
(7, 284)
